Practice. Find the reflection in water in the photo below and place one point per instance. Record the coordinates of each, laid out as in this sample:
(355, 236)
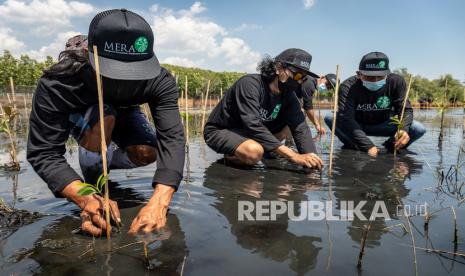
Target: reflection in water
(270, 239)
(387, 178)
(214, 242)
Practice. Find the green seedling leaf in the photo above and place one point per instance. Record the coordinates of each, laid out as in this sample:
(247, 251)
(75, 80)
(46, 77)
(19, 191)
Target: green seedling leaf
(101, 182)
(86, 190)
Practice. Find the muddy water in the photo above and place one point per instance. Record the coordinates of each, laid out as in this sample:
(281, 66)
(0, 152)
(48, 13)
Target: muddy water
(205, 237)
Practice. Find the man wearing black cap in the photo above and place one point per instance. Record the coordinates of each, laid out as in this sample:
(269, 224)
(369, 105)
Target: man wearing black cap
(310, 86)
(367, 101)
(66, 102)
(258, 108)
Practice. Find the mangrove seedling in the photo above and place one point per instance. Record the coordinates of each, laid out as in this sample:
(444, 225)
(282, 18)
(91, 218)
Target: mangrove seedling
(399, 123)
(395, 120)
(97, 189)
(6, 120)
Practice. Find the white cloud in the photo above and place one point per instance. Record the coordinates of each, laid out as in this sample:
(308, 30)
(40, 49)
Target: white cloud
(54, 48)
(308, 4)
(182, 61)
(184, 34)
(238, 52)
(247, 27)
(44, 16)
(195, 9)
(9, 42)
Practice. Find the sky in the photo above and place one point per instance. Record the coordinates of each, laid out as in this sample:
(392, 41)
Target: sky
(426, 37)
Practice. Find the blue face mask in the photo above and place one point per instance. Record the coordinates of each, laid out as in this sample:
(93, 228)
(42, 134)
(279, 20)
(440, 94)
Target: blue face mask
(322, 87)
(374, 86)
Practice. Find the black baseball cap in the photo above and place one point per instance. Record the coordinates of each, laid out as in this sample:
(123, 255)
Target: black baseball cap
(124, 42)
(331, 78)
(297, 58)
(374, 64)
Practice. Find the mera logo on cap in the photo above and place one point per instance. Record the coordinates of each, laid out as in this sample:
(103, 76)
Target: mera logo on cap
(119, 48)
(141, 44)
(305, 64)
(379, 65)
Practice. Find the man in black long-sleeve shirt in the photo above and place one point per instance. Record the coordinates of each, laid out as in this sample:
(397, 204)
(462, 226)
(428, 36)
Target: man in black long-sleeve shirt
(366, 104)
(309, 87)
(248, 120)
(131, 75)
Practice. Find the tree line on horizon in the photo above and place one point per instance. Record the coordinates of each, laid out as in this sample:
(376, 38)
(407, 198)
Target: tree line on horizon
(26, 72)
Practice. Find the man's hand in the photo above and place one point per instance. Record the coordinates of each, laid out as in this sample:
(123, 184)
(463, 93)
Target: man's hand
(309, 160)
(153, 215)
(373, 152)
(402, 139)
(93, 206)
(321, 130)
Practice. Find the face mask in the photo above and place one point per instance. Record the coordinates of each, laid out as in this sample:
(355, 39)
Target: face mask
(374, 86)
(322, 87)
(289, 86)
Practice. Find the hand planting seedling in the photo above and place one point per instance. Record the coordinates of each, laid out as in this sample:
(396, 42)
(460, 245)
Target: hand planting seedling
(98, 189)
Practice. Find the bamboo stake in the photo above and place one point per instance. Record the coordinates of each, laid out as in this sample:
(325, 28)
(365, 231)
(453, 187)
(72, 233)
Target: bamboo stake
(333, 128)
(221, 92)
(182, 267)
(455, 226)
(463, 128)
(443, 109)
(103, 143)
(12, 84)
(205, 105)
(403, 107)
(413, 244)
(187, 117)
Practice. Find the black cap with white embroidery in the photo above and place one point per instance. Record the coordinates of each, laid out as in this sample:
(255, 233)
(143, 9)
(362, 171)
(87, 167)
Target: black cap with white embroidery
(124, 42)
(297, 58)
(374, 64)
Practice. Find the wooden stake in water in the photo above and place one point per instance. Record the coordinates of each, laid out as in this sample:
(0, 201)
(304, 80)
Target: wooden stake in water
(463, 128)
(455, 228)
(443, 110)
(403, 109)
(103, 142)
(333, 128)
(205, 105)
(187, 116)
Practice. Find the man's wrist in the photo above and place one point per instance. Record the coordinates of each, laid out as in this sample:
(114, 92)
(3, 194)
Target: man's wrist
(71, 192)
(162, 195)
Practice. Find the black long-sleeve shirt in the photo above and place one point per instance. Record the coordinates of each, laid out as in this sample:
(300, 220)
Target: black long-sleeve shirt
(56, 98)
(306, 93)
(249, 104)
(360, 106)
